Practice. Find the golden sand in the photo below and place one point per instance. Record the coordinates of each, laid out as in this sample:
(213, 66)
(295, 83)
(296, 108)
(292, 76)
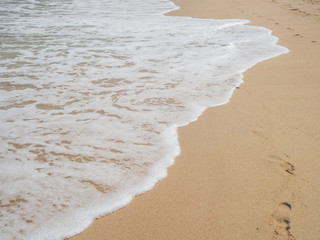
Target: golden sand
(256, 176)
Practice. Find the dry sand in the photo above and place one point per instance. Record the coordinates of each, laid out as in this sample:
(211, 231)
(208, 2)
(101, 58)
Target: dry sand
(249, 169)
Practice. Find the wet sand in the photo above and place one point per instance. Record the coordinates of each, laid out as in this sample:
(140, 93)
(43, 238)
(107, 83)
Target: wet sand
(248, 169)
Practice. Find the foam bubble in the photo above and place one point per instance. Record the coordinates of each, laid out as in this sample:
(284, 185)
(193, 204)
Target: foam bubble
(92, 93)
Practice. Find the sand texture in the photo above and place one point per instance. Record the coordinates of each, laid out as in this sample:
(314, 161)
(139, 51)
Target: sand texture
(249, 169)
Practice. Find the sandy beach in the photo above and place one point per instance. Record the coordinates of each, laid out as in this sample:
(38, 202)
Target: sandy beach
(248, 169)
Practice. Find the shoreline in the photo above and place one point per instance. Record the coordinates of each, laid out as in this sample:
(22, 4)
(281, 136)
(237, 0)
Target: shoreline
(255, 176)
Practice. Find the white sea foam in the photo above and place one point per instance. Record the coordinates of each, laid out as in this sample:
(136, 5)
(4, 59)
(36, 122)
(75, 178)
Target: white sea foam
(92, 93)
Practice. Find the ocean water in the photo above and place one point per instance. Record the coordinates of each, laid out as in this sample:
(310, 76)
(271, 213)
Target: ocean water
(91, 95)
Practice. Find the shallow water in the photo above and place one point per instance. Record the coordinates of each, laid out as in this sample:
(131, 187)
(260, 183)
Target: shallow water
(92, 93)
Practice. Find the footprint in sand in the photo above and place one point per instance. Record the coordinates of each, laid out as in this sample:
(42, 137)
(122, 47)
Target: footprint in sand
(241, 10)
(285, 165)
(260, 134)
(297, 35)
(280, 220)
